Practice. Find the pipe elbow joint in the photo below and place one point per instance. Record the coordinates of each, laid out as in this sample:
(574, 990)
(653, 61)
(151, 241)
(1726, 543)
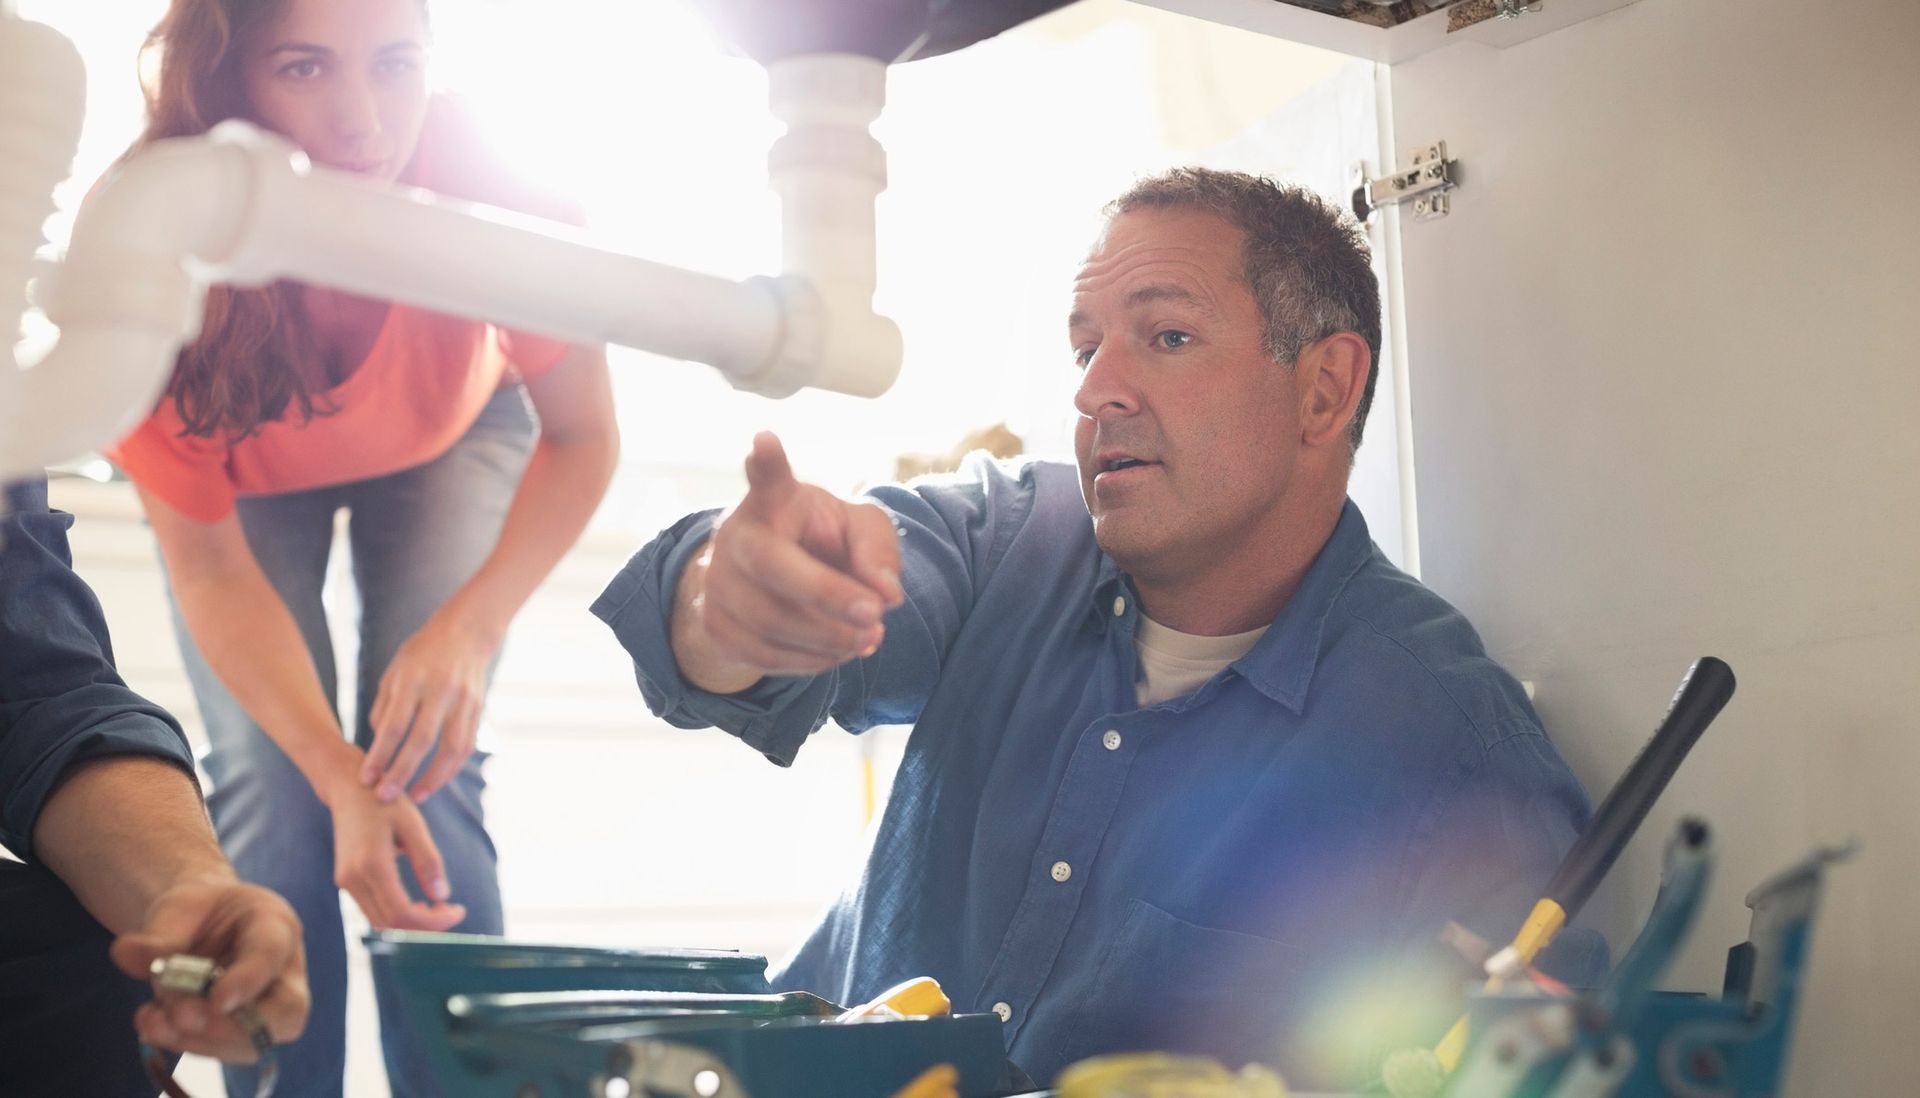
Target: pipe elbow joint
(131, 289)
(147, 240)
(828, 340)
(272, 169)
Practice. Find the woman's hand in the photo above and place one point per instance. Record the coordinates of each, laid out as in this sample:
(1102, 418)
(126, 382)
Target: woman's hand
(255, 938)
(430, 697)
(368, 837)
(432, 693)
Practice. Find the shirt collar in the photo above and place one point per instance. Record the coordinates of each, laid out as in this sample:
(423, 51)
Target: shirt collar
(1282, 663)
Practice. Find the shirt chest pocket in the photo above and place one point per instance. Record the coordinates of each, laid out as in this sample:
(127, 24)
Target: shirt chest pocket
(1170, 985)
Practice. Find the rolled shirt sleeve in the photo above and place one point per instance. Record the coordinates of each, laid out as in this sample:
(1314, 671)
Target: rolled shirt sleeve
(61, 701)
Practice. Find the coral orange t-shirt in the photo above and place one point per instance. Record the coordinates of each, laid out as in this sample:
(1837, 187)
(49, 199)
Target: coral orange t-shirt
(420, 387)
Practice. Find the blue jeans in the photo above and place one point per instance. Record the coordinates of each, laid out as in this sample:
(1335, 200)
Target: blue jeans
(414, 537)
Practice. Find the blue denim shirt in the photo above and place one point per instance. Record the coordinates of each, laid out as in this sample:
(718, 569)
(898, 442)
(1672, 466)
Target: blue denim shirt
(1255, 871)
(61, 701)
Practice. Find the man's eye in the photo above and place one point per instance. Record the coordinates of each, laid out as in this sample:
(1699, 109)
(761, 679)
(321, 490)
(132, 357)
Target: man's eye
(399, 66)
(301, 70)
(1173, 341)
(1084, 356)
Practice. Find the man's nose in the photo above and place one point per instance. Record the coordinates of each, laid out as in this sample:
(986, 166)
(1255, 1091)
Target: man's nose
(1107, 387)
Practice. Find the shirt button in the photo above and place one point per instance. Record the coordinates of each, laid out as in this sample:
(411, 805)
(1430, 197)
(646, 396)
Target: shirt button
(1119, 606)
(1061, 871)
(1111, 740)
(1004, 1011)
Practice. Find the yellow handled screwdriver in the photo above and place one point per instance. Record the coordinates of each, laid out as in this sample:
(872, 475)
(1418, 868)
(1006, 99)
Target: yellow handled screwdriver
(1702, 694)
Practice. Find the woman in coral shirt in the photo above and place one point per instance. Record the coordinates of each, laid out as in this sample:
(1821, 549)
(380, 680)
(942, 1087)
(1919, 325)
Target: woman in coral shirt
(297, 403)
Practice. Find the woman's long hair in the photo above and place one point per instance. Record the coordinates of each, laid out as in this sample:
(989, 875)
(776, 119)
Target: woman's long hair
(255, 350)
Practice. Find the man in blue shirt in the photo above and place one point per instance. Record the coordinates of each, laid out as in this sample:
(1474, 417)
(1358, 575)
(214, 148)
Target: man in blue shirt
(1193, 766)
(97, 796)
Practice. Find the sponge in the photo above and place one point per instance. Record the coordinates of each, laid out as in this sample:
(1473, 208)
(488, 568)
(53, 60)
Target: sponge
(1413, 1073)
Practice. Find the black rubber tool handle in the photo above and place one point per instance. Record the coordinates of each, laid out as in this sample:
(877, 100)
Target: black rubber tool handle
(1702, 694)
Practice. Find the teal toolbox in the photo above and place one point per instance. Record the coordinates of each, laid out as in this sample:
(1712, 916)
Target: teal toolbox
(503, 1019)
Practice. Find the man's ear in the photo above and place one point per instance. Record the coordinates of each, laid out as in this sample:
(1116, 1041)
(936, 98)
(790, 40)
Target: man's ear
(1334, 374)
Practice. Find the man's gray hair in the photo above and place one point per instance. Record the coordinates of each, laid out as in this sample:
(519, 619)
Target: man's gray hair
(1308, 263)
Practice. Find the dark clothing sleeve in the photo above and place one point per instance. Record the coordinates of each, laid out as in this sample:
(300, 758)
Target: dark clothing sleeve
(61, 701)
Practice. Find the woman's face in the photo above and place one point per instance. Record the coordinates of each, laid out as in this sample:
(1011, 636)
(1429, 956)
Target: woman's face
(343, 79)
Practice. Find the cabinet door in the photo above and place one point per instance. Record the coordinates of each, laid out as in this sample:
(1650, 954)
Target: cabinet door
(1662, 407)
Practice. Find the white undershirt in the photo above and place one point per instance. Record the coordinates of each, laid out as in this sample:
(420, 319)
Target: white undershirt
(1173, 663)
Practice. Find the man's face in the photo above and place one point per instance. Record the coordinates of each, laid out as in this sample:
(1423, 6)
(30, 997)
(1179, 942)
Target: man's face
(1188, 432)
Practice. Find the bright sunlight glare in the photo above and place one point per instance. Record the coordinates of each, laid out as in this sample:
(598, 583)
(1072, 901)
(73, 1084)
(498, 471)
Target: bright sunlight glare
(634, 110)
(999, 157)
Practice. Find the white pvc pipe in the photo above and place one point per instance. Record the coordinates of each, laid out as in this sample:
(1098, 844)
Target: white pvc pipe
(337, 230)
(828, 170)
(131, 292)
(243, 206)
(42, 101)
(90, 389)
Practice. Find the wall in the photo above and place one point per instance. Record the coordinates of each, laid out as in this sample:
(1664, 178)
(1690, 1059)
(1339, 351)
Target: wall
(1664, 405)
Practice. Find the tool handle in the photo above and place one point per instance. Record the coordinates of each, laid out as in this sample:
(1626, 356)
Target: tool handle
(1702, 694)
(920, 997)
